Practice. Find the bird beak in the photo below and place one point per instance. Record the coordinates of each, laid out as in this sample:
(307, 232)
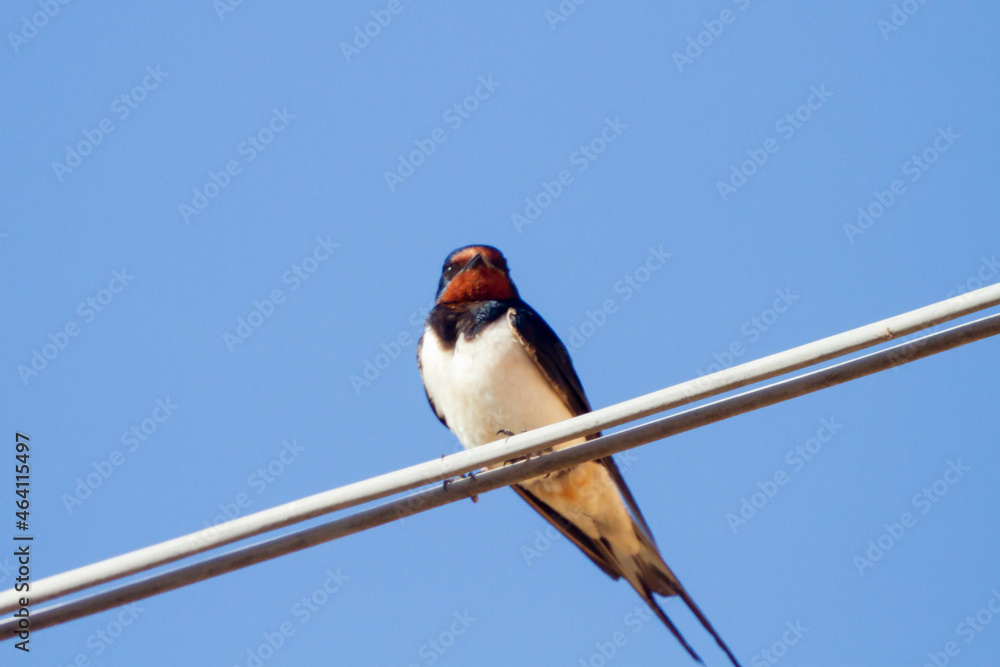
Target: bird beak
(477, 260)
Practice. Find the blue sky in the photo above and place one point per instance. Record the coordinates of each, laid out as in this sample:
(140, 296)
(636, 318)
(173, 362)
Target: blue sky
(223, 225)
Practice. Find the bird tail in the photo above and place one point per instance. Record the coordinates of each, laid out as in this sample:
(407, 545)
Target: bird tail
(648, 574)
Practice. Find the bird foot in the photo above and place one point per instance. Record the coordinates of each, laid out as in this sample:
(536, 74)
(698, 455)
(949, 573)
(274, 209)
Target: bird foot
(516, 459)
(470, 474)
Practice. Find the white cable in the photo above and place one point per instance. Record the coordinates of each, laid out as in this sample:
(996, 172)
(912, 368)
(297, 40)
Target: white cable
(516, 446)
(428, 499)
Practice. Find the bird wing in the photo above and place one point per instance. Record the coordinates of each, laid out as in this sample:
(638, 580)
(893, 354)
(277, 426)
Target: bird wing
(550, 356)
(420, 367)
(648, 573)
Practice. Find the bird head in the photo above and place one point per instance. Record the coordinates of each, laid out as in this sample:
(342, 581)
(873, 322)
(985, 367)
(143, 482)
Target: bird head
(475, 273)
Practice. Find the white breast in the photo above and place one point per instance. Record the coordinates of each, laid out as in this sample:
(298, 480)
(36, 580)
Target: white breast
(487, 385)
(490, 384)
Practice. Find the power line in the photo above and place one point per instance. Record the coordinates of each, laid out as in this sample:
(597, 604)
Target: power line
(519, 445)
(487, 481)
(513, 447)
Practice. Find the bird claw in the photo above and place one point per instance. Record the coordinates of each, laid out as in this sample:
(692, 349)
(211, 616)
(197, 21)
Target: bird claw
(470, 474)
(516, 459)
(526, 457)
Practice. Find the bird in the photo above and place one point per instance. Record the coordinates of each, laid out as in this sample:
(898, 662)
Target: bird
(492, 366)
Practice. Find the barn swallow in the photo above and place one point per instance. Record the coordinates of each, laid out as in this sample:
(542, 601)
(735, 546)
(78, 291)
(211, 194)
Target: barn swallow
(491, 365)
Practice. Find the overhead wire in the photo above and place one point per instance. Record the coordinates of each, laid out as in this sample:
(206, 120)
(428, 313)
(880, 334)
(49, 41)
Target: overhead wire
(514, 447)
